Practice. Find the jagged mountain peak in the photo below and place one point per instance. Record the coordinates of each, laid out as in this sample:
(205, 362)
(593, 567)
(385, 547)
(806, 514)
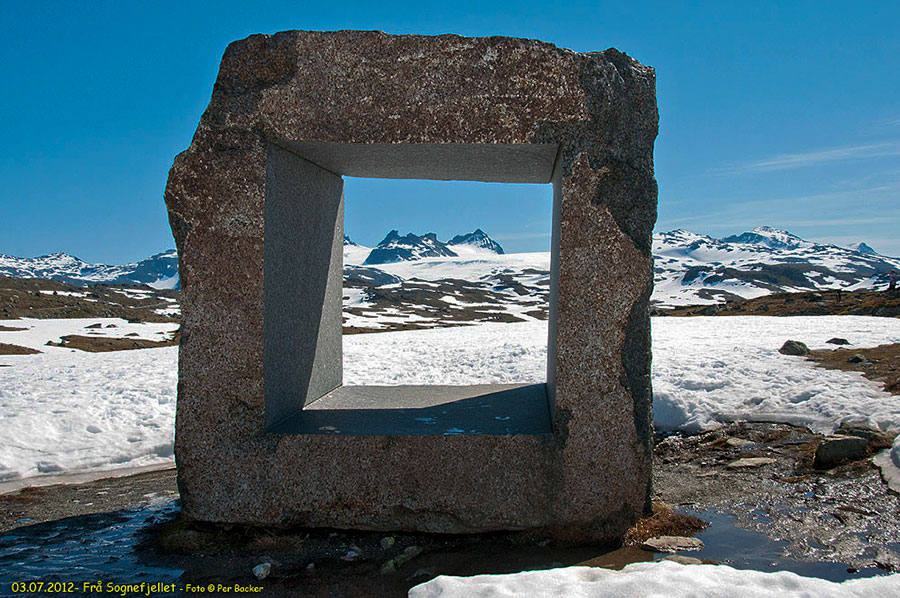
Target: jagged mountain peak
(863, 248)
(394, 248)
(477, 239)
(775, 238)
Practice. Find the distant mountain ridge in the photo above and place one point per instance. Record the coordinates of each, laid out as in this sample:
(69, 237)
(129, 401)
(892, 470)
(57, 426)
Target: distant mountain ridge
(159, 271)
(695, 268)
(396, 248)
(479, 239)
(689, 268)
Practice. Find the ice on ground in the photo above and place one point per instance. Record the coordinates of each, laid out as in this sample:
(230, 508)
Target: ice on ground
(644, 580)
(66, 410)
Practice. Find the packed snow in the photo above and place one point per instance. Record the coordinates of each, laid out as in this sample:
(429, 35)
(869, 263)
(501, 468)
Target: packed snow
(69, 411)
(642, 580)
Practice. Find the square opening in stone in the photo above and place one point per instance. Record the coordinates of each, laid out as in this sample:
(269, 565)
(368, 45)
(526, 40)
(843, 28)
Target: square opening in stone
(303, 275)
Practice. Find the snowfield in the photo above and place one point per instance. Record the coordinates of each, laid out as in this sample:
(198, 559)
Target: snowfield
(71, 411)
(642, 580)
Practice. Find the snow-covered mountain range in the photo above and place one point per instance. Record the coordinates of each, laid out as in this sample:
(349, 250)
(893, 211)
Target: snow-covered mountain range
(690, 268)
(694, 268)
(394, 248)
(159, 271)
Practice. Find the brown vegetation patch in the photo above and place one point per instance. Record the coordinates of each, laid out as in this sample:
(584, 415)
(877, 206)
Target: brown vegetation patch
(35, 298)
(98, 344)
(663, 522)
(7, 349)
(811, 303)
(881, 364)
(11, 329)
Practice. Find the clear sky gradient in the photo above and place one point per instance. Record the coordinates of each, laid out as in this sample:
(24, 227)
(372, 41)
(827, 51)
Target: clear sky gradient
(777, 113)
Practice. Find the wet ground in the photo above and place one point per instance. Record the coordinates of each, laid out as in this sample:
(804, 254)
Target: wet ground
(775, 515)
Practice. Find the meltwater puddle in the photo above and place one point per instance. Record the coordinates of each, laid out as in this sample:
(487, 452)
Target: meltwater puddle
(112, 547)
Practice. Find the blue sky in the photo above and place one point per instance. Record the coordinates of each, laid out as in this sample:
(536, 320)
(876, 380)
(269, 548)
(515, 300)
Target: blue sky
(778, 113)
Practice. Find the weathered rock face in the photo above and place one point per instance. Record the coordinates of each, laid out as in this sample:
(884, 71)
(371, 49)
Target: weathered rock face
(256, 208)
(794, 348)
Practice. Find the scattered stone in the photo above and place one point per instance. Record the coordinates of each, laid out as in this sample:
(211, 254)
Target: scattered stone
(97, 325)
(310, 566)
(111, 326)
(750, 462)
(738, 442)
(262, 571)
(876, 439)
(351, 555)
(426, 572)
(681, 559)
(387, 542)
(409, 553)
(837, 341)
(794, 348)
(856, 358)
(390, 566)
(837, 449)
(672, 544)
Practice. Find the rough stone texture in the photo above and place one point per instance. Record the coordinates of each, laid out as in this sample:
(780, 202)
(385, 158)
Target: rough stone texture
(875, 438)
(794, 348)
(837, 449)
(297, 92)
(672, 544)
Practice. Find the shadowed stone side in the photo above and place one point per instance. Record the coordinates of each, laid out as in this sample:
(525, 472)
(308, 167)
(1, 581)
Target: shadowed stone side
(480, 108)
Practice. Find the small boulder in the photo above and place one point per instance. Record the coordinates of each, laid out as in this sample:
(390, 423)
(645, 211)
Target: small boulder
(409, 553)
(735, 442)
(387, 542)
(672, 544)
(838, 448)
(876, 439)
(97, 325)
(682, 560)
(794, 348)
(262, 571)
(837, 341)
(856, 358)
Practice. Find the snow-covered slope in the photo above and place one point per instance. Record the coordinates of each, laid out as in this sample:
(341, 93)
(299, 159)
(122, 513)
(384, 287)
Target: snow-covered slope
(159, 271)
(693, 268)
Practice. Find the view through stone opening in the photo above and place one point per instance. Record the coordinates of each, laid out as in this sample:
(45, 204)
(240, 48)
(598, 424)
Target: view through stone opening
(303, 282)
